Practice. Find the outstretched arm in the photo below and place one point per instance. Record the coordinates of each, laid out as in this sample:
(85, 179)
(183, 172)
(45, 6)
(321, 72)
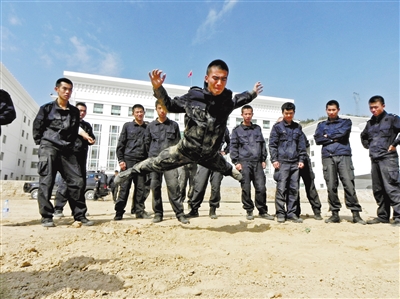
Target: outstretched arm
(157, 78)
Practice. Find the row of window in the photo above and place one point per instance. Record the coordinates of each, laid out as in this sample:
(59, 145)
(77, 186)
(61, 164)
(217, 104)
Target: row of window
(150, 114)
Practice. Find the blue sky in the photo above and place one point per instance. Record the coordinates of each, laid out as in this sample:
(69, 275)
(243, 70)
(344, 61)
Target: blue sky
(310, 51)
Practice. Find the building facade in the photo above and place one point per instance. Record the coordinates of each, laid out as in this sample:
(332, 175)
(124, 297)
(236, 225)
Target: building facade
(18, 153)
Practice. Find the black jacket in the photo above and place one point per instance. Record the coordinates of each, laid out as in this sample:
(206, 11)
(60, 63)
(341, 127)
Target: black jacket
(131, 144)
(287, 143)
(159, 136)
(7, 110)
(248, 144)
(55, 126)
(379, 133)
(338, 134)
(205, 117)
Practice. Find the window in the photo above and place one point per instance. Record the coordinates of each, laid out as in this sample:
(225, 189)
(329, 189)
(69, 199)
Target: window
(27, 134)
(1, 156)
(29, 122)
(176, 116)
(312, 153)
(98, 108)
(20, 147)
(23, 163)
(4, 138)
(34, 164)
(149, 113)
(35, 151)
(115, 110)
(266, 141)
(5, 177)
(19, 162)
(238, 121)
(254, 121)
(23, 133)
(321, 186)
(266, 124)
(313, 164)
(311, 141)
(25, 150)
(24, 118)
(11, 175)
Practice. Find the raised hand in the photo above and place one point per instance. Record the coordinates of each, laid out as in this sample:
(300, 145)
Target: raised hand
(157, 78)
(258, 88)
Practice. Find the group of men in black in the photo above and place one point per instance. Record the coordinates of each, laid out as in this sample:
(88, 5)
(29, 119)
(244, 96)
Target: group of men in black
(147, 152)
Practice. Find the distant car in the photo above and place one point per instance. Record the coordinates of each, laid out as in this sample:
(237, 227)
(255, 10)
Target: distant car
(32, 187)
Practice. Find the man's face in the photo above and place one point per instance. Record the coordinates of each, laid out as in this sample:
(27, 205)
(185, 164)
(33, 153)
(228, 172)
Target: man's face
(161, 111)
(138, 114)
(64, 91)
(247, 115)
(332, 111)
(82, 111)
(376, 108)
(288, 115)
(216, 79)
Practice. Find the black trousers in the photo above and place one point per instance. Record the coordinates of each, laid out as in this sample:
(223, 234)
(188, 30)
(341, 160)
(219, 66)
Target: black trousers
(62, 193)
(174, 194)
(200, 187)
(253, 172)
(386, 186)
(139, 195)
(287, 189)
(186, 176)
(308, 176)
(52, 160)
(340, 167)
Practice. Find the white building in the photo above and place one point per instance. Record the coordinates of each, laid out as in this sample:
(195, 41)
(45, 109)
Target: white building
(18, 154)
(109, 103)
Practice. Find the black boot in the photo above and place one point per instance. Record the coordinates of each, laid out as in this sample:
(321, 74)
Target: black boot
(357, 218)
(193, 213)
(213, 214)
(334, 218)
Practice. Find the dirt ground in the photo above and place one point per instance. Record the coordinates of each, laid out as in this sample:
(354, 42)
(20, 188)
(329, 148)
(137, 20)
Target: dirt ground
(229, 257)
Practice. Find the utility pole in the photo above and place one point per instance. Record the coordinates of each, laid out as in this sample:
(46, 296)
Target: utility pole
(356, 97)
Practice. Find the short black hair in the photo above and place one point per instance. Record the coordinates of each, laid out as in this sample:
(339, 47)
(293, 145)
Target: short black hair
(219, 64)
(65, 80)
(247, 107)
(80, 104)
(137, 106)
(288, 106)
(377, 99)
(331, 103)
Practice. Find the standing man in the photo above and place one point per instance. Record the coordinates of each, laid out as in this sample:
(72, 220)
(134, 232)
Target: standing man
(200, 185)
(55, 129)
(308, 176)
(206, 113)
(160, 134)
(114, 187)
(379, 136)
(81, 147)
(249, 153)
(131, 149)
(333, 134)
(186, 179)
(287, 149)
(7, 110)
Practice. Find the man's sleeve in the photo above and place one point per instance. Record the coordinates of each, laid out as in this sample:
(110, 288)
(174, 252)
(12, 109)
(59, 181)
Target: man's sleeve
(121, 144)
(319, 137)
(396, 129)
(38, 126)
(302, 148)
(264, 152)
(7, 110)
(365, 136)
(343, 131)
(243, 98)
(273, 144)
(234, 147)
(175, 105)
(227, 141)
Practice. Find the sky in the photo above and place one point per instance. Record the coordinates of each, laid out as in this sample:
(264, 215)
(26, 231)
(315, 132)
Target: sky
(309, 51)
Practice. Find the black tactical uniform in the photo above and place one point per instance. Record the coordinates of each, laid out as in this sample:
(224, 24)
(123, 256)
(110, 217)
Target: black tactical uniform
(55, 130)
(379, 133)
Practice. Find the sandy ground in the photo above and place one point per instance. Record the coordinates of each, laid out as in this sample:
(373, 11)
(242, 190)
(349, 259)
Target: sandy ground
(229, 257)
